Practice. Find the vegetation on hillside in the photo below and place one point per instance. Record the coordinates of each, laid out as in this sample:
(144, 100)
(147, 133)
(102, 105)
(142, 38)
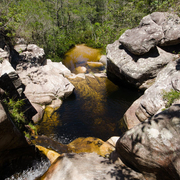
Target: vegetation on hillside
(170, 97)
(16, 113)
(57, 25)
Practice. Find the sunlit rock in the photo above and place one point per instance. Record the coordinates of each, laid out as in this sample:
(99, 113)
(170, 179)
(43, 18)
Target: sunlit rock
(87, 166)
(45, 84)
(158, 28)
(80, 69)
(113, 140)
(39, 115)
(20, 48)
(152, 101)
(50, 154)
(4, 55)
(135, 70)
(90, 145)
(153, 147)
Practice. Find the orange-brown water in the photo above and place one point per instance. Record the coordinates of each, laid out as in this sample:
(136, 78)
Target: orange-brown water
(80, 55)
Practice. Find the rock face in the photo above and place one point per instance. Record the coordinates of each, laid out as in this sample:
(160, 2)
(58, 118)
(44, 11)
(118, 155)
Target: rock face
(30, 53)
(132, 69)
(158, 28)
(153, 147)
(141, 39)
(15, 152)
(152, 101)
(88, 166)
(43, 83)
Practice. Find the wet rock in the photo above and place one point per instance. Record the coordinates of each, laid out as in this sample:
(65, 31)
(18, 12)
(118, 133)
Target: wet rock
(80, 69)
(95, 64)
(50, 154)
(79, 56)
(88, 166)
(90, 145)
(153, 146)
(50, 144)
(135, 70)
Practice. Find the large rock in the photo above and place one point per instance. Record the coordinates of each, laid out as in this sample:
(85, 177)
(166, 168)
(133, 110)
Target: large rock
(45, 83)
(30, 53)
(132, 69)
(158, 28)
(170, 24)
(88, 166)
(152, 101)
(153, 147)
(141, 39)
(90, 145)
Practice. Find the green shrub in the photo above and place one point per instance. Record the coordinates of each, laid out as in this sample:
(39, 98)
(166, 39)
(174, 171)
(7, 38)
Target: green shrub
(170, 97)
(17, 115)
(15, 111)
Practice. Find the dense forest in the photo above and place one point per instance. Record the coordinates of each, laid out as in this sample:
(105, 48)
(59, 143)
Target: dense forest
(57, 25)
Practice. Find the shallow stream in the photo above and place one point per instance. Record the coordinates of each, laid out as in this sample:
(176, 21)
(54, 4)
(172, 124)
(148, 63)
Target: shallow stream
(94, 109)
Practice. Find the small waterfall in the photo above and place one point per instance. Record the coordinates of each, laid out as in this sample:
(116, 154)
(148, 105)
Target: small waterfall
(38, 169)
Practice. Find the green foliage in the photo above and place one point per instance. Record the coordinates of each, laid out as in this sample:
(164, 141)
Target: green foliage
(18, 117)
(15, 111)
(57, 25)
(170, 97)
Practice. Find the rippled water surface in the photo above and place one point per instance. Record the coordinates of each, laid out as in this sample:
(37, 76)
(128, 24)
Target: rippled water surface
(38, 169)
(94, 109)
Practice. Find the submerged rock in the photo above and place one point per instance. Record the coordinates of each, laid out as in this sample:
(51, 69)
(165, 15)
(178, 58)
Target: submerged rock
(153, 147)
(90, 145)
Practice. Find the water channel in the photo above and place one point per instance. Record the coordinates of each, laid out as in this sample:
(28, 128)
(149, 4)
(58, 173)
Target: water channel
(96, 106)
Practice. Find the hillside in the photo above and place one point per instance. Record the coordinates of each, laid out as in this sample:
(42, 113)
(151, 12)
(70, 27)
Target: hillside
(58, 25)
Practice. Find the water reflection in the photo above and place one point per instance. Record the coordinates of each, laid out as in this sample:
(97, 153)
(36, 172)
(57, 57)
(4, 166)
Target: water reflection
(95, 109)
(79, 56)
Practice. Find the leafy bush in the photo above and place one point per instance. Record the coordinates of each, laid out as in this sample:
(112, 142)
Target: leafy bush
(15, 111)
(58, 25)
(18, 117)
(170, 97)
